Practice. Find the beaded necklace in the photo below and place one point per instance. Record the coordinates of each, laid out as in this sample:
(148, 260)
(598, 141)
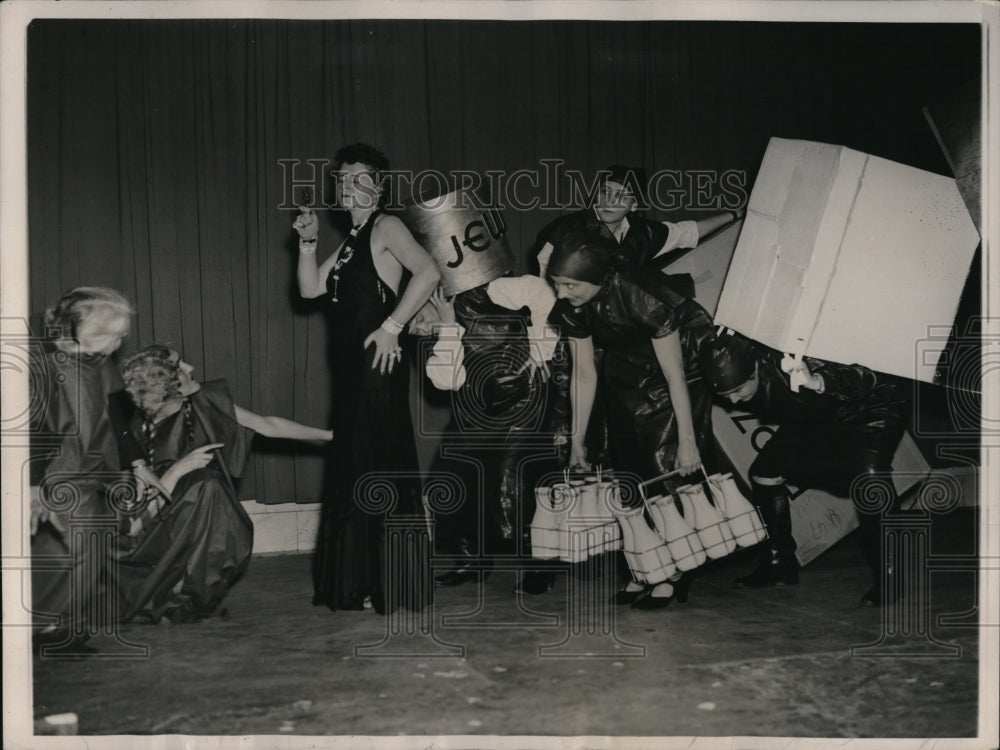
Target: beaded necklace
(346, 253)
(149, 432)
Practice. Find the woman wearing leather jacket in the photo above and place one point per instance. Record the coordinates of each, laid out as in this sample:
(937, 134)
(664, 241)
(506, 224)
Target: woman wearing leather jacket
(659, 411)
(837, 431)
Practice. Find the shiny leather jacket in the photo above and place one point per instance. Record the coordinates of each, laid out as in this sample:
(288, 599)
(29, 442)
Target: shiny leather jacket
(496, 352)
(633, 306)
(852, 394)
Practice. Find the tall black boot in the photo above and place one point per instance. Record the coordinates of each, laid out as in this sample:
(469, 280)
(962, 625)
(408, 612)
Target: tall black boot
(886, 584)
(776, 564)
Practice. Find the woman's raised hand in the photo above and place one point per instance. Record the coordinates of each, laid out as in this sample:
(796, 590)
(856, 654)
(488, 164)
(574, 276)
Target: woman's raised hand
(444, 306)
(199, 458)
(306, 224)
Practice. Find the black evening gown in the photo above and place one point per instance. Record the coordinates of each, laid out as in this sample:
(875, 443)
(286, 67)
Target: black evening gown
(373, 539)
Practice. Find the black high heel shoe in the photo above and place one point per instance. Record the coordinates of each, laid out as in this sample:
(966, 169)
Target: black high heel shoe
(681, 588)
(624, 596)
(773, 569)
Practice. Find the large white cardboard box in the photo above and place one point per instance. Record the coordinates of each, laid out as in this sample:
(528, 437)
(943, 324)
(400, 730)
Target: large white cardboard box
(848, 257)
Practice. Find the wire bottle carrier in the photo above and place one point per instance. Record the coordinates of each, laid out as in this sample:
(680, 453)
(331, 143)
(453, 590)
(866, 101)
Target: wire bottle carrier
(574, 519)
(696, 522)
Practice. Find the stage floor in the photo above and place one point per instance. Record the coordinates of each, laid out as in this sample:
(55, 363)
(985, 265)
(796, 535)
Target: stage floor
(794, 661)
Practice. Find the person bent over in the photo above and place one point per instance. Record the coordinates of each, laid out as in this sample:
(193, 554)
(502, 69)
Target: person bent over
(837, 431)
(494, 351)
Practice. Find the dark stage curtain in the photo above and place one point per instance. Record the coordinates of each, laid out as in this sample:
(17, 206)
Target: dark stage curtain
(156, 150)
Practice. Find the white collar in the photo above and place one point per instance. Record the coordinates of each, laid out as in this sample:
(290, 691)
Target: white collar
(622, 229)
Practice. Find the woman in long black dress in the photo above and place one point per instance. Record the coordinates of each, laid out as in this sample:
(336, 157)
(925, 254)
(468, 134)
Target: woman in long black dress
(180, 556)
(373, 470)
(659, 410)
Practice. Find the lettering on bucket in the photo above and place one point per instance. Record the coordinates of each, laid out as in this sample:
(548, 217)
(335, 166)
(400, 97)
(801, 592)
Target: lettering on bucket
(475, 236)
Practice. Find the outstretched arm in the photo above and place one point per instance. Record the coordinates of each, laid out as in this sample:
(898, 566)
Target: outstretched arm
(686, 234)
(711, 223)
(844, 382)
(279, 427)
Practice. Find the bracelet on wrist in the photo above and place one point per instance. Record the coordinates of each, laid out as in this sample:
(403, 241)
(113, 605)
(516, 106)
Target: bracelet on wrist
(307, 247)
(392, 326)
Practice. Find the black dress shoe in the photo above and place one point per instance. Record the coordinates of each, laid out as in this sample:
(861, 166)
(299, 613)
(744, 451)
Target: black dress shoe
(454, 577)
(624, 596)
(773, 570)
(463, 574)
(681, 587)
(535, 582)
(60, 642)
(353, 602)
(649, 601)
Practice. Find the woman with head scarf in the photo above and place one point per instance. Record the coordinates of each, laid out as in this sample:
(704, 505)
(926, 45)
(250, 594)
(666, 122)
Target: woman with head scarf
(659, 411)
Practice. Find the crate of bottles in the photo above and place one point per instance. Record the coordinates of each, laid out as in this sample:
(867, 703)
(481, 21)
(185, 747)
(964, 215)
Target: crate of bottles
(574, 519)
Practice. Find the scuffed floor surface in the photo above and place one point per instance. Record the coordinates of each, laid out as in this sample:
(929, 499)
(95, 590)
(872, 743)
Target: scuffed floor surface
(777, 662)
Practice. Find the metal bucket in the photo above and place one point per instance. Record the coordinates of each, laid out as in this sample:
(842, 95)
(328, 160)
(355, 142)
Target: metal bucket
(466, 237)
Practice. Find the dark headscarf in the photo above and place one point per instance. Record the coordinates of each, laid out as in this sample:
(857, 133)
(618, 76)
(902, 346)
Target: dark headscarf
(584, 258)
(727, 362)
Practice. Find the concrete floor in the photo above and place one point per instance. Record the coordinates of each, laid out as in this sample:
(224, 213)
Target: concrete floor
(730, 662)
